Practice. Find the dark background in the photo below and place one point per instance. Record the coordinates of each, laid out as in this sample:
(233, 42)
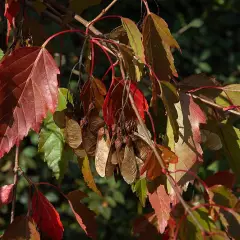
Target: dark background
(208, 32)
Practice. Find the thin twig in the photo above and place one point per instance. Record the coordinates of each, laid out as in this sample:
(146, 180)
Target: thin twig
(102, 13)
(212, 104)
(161, 162)
(15, 182)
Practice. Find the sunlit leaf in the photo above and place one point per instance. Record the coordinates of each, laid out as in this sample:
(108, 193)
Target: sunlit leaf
(160, 202)
(134, 36)
(128, 167)
(84, 217)
(140, 188)
(21, 228)
(6, 194)
(170, 97)
(102, 152)
(46, 217)
(73, 133)
(88, 177)
(29, 90)
(52, 143)
(188, 148)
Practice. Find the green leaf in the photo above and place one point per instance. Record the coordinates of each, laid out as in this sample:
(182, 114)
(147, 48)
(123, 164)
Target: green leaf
(196, 23)
(133, 67)
(189, 228)
(140, 188)
(223, 196)
(135, 37)
(157, 42)
(79, 6)
(1, 54)
(229, 96)
(170, 97)
(230, 137)
(51, 141)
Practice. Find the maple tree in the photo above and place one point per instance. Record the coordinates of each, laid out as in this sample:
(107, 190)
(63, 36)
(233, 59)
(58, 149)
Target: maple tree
(106, 124)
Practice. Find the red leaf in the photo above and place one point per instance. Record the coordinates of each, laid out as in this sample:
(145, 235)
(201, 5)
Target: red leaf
(112, 107)
(160, 202)
(46, 217)
(29, 89)
(6, 194)
(224, 178)
(12, 8)
(84, 216)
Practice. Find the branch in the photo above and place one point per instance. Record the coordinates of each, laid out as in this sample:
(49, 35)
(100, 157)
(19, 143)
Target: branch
(212, 104)
(101, 14)
(161, 162)
(15, 182)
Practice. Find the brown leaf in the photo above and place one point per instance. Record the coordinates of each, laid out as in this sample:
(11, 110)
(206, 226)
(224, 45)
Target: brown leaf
(102, 152)
(128, 167)
(160, 202)
(89, 141)
(111, 163)
(84, 216)
(59, 119)
(21, 228)
(88, 177)
(152, 166)
(157, 41)
(73, 133)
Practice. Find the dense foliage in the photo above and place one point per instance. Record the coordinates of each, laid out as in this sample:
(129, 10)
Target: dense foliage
(156, 141)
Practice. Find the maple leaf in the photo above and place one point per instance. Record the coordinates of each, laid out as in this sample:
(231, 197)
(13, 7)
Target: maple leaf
(22, 227)
(160, 202)
(188, 148)
(6, 194)
(29, 90)
(46, 217)
(113, 107)
(84, 216)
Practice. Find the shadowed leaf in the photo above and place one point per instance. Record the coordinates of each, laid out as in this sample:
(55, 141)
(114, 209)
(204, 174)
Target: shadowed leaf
(79, 6)
(140, 188)
(21, 228)
(84, 216)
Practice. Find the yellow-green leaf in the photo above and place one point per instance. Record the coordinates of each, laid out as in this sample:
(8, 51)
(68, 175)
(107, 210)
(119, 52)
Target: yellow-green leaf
(135, 37)
(170, 97)
(140, 188)
(88, 177)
